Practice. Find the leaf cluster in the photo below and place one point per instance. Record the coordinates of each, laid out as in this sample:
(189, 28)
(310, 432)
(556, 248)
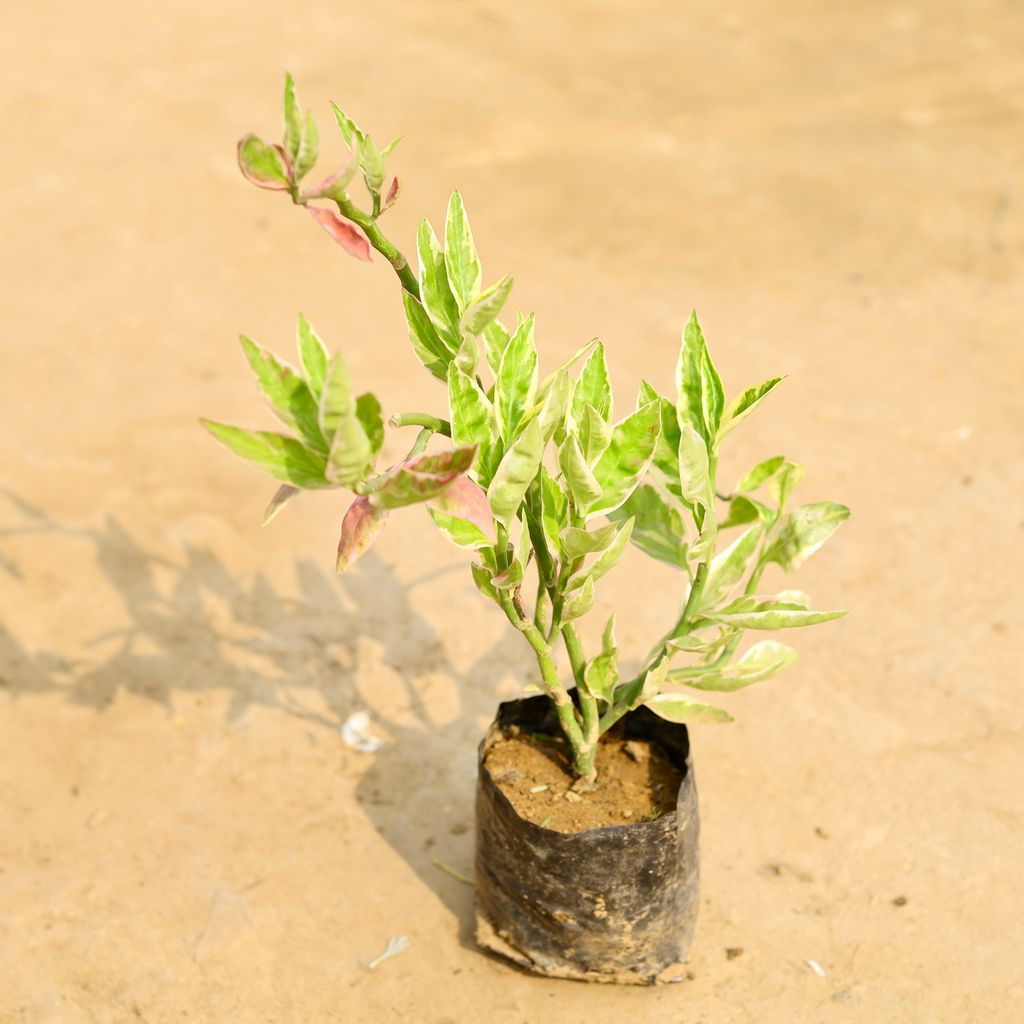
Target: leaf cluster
(543, 483)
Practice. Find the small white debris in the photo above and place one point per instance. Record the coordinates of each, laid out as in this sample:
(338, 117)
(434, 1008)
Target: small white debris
(539, 789)
(396, 944)
(817, 968)
(957, 434)
(356, 736)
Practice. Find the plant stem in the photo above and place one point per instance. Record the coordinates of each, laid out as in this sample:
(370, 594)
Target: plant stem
(421, 442)
(377, 239)
(588, 702)
(421, 419)
(549, 673)
(614, 713)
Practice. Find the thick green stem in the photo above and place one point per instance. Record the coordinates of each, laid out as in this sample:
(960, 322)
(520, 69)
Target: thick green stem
(588, 702)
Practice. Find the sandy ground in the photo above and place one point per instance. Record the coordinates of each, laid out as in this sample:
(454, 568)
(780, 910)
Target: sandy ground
(836, 188)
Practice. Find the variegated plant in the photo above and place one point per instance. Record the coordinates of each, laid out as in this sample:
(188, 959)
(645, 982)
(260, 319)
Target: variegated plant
(536, 478)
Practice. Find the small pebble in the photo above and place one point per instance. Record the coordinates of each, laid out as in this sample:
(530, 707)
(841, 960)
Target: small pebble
(627, 814)
(900, 901)
(822, 833)
(573, 798)
(731, 952)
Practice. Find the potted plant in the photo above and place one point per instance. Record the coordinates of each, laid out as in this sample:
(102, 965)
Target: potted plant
(586, 810)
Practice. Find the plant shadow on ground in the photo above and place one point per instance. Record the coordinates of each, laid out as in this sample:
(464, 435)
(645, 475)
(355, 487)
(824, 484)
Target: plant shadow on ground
(196, 628)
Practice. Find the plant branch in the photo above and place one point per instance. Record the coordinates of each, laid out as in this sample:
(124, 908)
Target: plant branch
(378, 240)
(421, 419)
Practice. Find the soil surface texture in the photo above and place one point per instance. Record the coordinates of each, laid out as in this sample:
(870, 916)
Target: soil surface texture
(636, 782)
(838, 189)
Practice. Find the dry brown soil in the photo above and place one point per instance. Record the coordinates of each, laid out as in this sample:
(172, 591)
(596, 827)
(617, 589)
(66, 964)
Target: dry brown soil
(636, 782)
(837, 188)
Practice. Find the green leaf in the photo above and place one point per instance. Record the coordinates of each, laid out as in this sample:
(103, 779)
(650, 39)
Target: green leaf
(468, 355)
(461, 260)
(359, 529)
(460, 532)
(351, 451)
(516, 383)
(496, 340)
(804, 532)
(336, 400)
(760, 473)
(602, 674)
(282, 457)
(677, 709)
(608, 644)
(772, 615)
(579, 477)
(694, 470)
(744, 404)
(784, 483)
(435, 291)
(372, 164)
(292, 120)
(579, 602)
(483, 310)
(629, 453)
(419, 479)
(469, 409)
(609, 558)
(659, 529)
(288, 394)
(369, 415)
(511, 578)
(747, 510)
(309, 148)
(728, 566)
(666, 451)
(515, 473)
(482, 579)
(554, 403)
(554, 503)
(349, 129)
(313, 355)
(264, 165)
(428, 346)
(576, 543)
(762, 661)
(700, 396)
(594, 434)
(593, 387)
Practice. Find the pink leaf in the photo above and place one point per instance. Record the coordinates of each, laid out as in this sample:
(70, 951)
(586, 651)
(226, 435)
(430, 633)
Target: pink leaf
(359, 529)
(264, 165)
(389, 199)
(344, 233)
(465, 499)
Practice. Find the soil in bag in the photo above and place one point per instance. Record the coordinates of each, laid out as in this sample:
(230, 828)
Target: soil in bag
(599, 886)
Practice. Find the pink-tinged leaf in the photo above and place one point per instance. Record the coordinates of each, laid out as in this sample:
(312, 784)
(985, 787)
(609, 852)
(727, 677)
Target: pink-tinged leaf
(467, 500)
(359, 529)
(389, 199)
(264, 165)
(344, 233)
(420, 479)
(284, 494)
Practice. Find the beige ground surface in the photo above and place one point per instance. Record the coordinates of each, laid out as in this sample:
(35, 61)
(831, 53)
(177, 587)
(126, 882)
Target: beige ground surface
(836, 188)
